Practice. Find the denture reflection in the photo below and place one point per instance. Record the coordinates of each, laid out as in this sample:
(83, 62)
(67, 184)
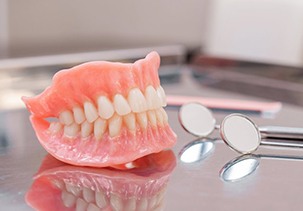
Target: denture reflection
(139, 185)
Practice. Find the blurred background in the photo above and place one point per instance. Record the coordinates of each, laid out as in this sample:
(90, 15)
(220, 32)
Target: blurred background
(228, 43)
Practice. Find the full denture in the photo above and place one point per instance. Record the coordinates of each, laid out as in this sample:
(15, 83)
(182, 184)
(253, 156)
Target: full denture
(103, 113)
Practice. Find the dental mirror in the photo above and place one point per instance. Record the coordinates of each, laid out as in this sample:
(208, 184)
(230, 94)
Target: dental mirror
(196, 150)
(239, 168)
(238, 131)
(197, 119)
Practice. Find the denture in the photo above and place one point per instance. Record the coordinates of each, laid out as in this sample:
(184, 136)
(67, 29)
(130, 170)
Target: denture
(103, 113)
(58, 186)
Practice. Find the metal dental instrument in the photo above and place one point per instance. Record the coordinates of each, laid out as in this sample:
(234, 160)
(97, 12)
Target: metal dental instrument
(238, 131)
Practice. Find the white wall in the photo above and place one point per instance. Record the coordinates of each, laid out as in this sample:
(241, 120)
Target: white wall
(52, 26)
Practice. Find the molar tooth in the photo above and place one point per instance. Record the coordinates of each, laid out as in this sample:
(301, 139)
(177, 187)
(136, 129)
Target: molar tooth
(79, 115)
(164, 115)
(88, 195)
(99, 127)
(152, 117)
(142, 119)
(142, 204)
(159, 116)
(76, 191)
(90, 112)
(116, 202)
(55, 127)
(105, 107)
(121, 105)
(71, 130)
(66, 117)
(114, 125)
(81, 205)
(137, 100)
(152, 99)
(68, 199)
(130, 121)
(161, 94)
(130, 204)
(101, 199)
(86, 129)
(92, 207)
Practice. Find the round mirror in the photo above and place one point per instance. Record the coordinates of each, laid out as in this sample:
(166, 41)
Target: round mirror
(197, 119)
(196, 151)
(239, 168)
(240, 133)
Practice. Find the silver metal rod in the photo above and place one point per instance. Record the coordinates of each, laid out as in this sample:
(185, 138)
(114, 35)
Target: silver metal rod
(282, 132)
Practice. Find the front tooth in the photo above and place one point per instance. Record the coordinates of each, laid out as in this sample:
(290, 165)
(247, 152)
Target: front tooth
(90, 112)
(86, 129)
(79, 115)
(99, 127)
(161, 94)
(116, 202)
(88, 195)
(142, 204)
(130, 121)
(114, 125)
(68, 199)
(81, 205)
(71, 130)
(130, 204)
(101, 199)
(92, 207)
(76, 191)
(142, 119)
(66, 117)
(121, 105)
(105, 107)
(159, 116)
(55, 127)
(152, 117)
(152, 99)
(137, 100)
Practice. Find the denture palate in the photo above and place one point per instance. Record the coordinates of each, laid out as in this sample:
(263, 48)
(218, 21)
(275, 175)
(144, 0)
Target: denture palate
(110, 113)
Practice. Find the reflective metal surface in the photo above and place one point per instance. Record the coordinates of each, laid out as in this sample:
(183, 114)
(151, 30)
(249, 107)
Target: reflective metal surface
(276, 185)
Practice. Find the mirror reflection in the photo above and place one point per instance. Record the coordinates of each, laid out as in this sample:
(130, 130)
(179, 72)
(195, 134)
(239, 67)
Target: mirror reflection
(196, 150)
(58, 186)
(245, 165)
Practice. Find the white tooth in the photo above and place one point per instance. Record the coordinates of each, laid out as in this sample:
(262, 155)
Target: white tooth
(99, 127)
(68, 199)
(164, 115)
(71, 130)
(90, 112)
(116, 202)
(153, 202)
(121, 105)
(114, 125)
(76, 191)
(142, 119)
(101, 199)
(86, 129)
(137, 100)
(152, 117)
(59, 184)
(130, 204)
(130, 121)
(81, 205)
(152, 99)
(142, 204)
(105, 107)
(79, 115)
(88, 195)
(93, 207)
(55, 127)
(161, 94)
(66, 117)
(159, 116)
